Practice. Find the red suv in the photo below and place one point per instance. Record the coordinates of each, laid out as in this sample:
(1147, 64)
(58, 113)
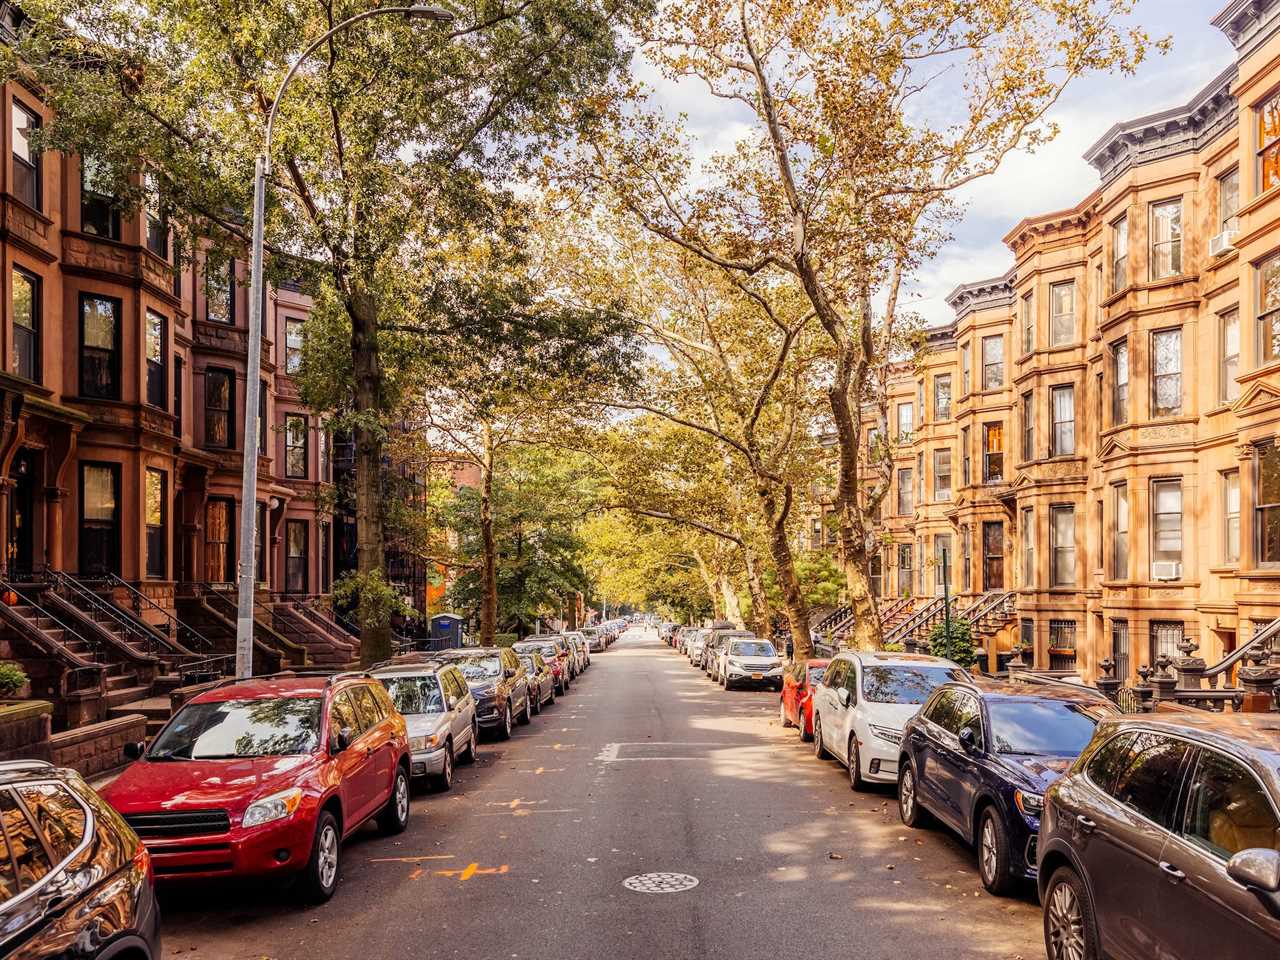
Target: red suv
(267, 776)
(795, 706)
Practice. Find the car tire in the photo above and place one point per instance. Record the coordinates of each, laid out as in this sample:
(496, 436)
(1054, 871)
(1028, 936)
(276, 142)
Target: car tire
(782, 714)
(526, 715)
(802, 727)
(443, 781)
(855, 766)
(1070, 929)
(469, 755)
(552, 699)
(537, 703)
(819, 751)
(909, 809)
(319, 879)
(504, 725)
(394, 817)
(993, 854)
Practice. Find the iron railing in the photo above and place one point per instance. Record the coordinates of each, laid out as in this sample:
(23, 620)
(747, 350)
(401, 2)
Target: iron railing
(77, 666)
(183, 635)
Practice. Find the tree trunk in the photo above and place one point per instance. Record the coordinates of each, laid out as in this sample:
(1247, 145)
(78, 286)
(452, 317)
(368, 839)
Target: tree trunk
(710, 583)
(489, 547)
(867, 628)
(732, 609)
(760, 612)
(375, 632)
(775, 516)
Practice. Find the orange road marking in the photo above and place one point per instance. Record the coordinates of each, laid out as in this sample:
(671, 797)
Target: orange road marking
(438, 856)
(472, 869)
(416, 874)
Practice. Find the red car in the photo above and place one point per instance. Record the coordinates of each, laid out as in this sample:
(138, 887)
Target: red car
(555, 650)
(795, 707)
(267, 776)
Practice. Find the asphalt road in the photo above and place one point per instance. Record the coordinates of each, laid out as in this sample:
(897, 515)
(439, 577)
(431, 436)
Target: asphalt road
(644, 767)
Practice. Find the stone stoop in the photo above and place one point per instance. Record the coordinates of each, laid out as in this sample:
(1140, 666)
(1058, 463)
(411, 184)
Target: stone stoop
(97, 748)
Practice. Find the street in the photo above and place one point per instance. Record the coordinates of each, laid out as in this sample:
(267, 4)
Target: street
(645, 767)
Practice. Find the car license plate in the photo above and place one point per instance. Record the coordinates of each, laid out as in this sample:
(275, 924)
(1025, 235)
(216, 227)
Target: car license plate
(757, 676)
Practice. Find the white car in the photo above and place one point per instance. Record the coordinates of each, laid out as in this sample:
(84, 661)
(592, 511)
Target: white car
(748, 660)
(693, 647)
(864, 701)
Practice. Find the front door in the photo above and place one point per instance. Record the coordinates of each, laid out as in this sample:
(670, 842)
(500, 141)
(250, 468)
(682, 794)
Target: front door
(219, 540)
(356, 764)
(20, 550)
(993, 556)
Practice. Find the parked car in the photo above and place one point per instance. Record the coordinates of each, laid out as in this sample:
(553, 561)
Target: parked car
(554, 650)
(979, 756)
(1163, 840)
(864, 701)
(266, 777)
(747, 660)
(498, 681)
(75, 880)
(715, 655)
(439, 712)
(578, 646)
(597, 639)
(542, 683)
(694, 646)
(795, 704)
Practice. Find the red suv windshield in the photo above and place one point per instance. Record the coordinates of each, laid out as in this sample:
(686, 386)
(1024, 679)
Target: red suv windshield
(261, 727)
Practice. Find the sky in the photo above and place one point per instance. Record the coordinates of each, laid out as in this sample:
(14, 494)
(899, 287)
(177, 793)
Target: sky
(1056, 176)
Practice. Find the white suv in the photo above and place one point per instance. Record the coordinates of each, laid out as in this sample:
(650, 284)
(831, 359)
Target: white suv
(864, 701)
(745, 659)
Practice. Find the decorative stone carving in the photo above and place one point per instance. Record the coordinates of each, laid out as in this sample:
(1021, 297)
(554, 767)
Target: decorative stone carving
(1164, 433)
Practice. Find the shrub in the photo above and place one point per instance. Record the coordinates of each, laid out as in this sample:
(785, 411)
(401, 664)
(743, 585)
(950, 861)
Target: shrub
(12, 679)
(893, 648)
(505, 639)
(961, 651)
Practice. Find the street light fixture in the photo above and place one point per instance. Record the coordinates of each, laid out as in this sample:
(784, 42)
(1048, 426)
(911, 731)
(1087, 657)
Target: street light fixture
(249, 477)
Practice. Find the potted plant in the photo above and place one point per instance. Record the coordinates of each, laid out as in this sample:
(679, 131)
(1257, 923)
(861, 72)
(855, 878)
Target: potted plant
(12, 679)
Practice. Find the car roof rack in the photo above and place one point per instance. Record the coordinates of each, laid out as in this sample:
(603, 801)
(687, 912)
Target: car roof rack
(20, 766)
(331, 676)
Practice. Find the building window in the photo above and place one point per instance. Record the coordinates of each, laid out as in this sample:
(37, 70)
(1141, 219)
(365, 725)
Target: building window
(295, 446)
(942, 474)
(219, 540)
(157, 525)
(1166, 373)
(1062, 545)
(920, 488)
(1229, 389)
(99, 518)
(26, 162)
(295, 557)
(1165, 637)
(1269, 307)
(1028, 325)
(292, 345)
(966, 459)
(1231, 516)
(1120, 382)
(942, 561)
(219, 394)
(993, 452)
(99, 347)
(942, 397)
(99, 214)
(326, 563)
(1166, 529)
(219, 289)
(178, 366)
(1028, 530)
(1120, 542)
(1099, 295)
(1027, 635)
(1269, 144)
(992, 363)
(904, 491)
(920, 401)
(1120, 648)
(1062, 313)
(26, 325)
(157, 388)
(1166, 239)
(905, 422)
(965, 379)
(966, 564)
(1267, 510)
(1228, 199)
(1063, 407)
(1119, 254)
(157, 220)
(904, 569)
(1028, 426)
(1062, 644)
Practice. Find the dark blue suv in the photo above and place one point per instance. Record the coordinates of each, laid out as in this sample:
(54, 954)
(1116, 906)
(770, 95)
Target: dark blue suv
(979, 756)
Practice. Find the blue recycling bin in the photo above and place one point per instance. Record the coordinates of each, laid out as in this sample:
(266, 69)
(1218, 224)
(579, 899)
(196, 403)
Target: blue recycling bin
(446, 631)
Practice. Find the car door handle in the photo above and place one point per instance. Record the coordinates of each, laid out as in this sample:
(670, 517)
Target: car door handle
(1173, 872)
(1085, 824)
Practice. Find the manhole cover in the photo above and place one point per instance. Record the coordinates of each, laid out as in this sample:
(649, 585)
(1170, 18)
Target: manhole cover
(660, 882)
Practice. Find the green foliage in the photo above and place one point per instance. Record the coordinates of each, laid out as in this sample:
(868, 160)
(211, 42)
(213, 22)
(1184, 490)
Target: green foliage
(375, 600)
(821, 580)
(893, 648)
(12, 679)
(960, 648)
(505, 639)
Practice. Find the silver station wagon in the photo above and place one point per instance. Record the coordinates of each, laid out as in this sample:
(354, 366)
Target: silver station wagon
(440, 713)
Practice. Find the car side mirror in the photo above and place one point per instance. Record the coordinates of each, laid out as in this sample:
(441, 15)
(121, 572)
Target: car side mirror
(509, 672)
(1258, 869)
(969, 740)
(343, 739)
(451, 702)
(843, 696)
(134, 751)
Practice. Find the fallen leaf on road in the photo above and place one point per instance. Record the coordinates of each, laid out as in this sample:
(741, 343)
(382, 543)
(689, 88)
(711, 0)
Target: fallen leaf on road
(835, 856)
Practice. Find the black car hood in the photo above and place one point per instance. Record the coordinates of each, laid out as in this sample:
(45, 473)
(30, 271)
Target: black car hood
(1037, 771)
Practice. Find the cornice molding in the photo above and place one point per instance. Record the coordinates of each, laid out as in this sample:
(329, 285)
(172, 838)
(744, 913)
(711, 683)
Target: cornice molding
(1248, 24)
(983, 295)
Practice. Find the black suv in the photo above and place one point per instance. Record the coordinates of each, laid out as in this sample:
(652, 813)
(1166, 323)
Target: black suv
(75, 880)
(500, 684)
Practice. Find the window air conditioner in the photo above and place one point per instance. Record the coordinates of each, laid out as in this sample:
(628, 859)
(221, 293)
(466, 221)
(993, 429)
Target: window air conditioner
(1167, 570)
(1222, 243)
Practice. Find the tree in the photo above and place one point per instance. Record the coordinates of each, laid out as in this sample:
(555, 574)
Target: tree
(863, 121)
(394, 144)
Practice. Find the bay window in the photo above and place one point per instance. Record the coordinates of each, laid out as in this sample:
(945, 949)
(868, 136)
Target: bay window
(1269, 143)
(992, 363)
(1119, 254)
(993, 452)
(1166, 373)
(1267, 510)
(942, 474)
(1062, 546)
(1229, 365)
(1166, 239)
(1120, 382)
(1231, 516)
(942, 397)
(1166, 529)
(1120, 541)
(1269, 307)
(1063, 408)
(1062, 313)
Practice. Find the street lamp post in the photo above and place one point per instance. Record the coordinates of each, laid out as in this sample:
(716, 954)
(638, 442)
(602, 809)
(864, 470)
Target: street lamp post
(249, 478)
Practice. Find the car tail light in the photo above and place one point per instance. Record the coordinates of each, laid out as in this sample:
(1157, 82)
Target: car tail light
(142, 860)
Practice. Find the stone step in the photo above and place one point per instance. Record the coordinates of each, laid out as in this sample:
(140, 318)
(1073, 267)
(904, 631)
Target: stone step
(120, 680)
(114, 698)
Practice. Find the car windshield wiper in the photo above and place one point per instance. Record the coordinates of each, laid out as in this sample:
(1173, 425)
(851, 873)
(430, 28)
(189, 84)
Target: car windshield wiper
(162, 757)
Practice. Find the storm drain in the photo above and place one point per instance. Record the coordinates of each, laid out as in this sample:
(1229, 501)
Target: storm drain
(660, 882)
